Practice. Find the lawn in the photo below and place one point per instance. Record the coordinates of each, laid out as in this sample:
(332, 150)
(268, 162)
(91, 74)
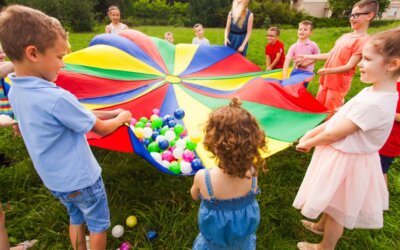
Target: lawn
(162, 202)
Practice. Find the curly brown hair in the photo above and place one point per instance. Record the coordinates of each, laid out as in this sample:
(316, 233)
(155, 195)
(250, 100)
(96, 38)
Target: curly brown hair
(234, 137)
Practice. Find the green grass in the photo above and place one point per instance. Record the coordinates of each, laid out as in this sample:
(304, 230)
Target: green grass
(162, 202)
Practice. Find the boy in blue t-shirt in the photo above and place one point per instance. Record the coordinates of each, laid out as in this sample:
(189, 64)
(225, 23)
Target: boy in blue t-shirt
(53, 123)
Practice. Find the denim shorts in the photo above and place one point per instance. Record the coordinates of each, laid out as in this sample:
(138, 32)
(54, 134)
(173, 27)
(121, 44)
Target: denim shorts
(386, 161)
(87, 205)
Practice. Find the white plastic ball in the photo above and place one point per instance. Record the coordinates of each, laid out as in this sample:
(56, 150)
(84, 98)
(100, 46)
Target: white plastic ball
(177, 153)
(170, 135)
(186, 167)
(156, 156)
(147, 132)
(160, 138)
(180, 144)
(165, 163)
(117, 231)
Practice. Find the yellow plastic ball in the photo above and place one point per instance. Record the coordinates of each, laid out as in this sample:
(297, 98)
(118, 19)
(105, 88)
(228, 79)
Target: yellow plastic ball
(195, 136)
(131, 221)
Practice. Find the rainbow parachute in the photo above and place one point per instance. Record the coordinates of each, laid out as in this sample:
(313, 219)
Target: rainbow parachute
(139, 73)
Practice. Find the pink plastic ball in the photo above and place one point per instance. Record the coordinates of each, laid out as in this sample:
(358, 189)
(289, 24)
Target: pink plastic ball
(125, 246)
(172, 149)
(133, 122)
(185, 132)
(156, 111)
(167, 156)
(188, 155)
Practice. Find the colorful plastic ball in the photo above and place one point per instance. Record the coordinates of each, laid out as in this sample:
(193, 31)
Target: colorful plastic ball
(195, 136)
(165, 164)
(138, 132)
(191, 145)
(131, 221)
(156, 123)
(153, 117)
(167, 156)
(179, 114)
(153, 147)
(117, 231)
(147, 132)
(133, 121)
(152, 235)
(172, 148)
(186, 167)
(177, 153)
(178, 129)
(155, 134)
(181, 143)
(171, 123)
(174, 167)
(164, 130)
(148, 125)
(163, 144)
(125, 246)
(188, 155)
(170, 135)
(196, 164)
(143, 119)
(156, 111)
(172, 143)
(160, 138)
(146, 142)
(140, 124)
(168, 118)
(184, 133)
(156, 156)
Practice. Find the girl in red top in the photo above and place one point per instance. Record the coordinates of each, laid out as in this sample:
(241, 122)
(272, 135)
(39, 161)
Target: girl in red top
(391, 149)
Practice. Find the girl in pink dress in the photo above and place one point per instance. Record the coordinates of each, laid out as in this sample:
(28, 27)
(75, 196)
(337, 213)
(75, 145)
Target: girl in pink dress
(344, 180)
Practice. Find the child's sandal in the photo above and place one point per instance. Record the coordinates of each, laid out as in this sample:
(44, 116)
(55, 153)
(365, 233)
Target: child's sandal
(27, 244)
(309, 226)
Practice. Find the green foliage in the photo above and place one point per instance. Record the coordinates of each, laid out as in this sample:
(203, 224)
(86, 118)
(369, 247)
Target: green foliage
(209, 13)
(74, 14)
(341, 8)
(278, 13)
(158, 12)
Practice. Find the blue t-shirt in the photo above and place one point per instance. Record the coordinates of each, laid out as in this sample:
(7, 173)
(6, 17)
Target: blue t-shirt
(53, 125)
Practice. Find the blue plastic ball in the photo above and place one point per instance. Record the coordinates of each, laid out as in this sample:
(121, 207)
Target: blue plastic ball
(146, 142)
(168, 118)
(151, 235)
(171, 123)
(163, 144)
(155, 134)
(196, 164)
(179, 114)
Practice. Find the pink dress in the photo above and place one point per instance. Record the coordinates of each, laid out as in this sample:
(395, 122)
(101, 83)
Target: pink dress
(344, 179)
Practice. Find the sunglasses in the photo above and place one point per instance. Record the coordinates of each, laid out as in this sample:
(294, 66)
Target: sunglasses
(357, 15)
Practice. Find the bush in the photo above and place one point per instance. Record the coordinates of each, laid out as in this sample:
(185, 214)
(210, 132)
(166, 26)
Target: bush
(73, 14)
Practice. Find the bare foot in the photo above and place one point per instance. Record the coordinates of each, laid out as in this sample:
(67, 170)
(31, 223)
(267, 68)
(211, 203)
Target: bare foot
(308, 246)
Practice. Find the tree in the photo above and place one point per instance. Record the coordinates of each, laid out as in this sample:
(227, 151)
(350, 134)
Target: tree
(209, 13)
(342, 8)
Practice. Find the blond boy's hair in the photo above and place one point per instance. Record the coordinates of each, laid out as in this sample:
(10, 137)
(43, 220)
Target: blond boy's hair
(276, 30)
(168, 33)
(113, 7)
(197, 25)
(369, 5)
(22, 26)
(307, 22)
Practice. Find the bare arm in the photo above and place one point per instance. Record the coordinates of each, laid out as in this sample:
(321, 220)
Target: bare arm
(286, 66)
(341, 69)
(342, 129)
(6, 68)
(195, 190)
(318, 57)
(267, 61)
(107, 114)
(106, 127)
(397, 117)
(108, 29)
(248, 34)
(272, 65)
(313, 132)
(227, 30)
